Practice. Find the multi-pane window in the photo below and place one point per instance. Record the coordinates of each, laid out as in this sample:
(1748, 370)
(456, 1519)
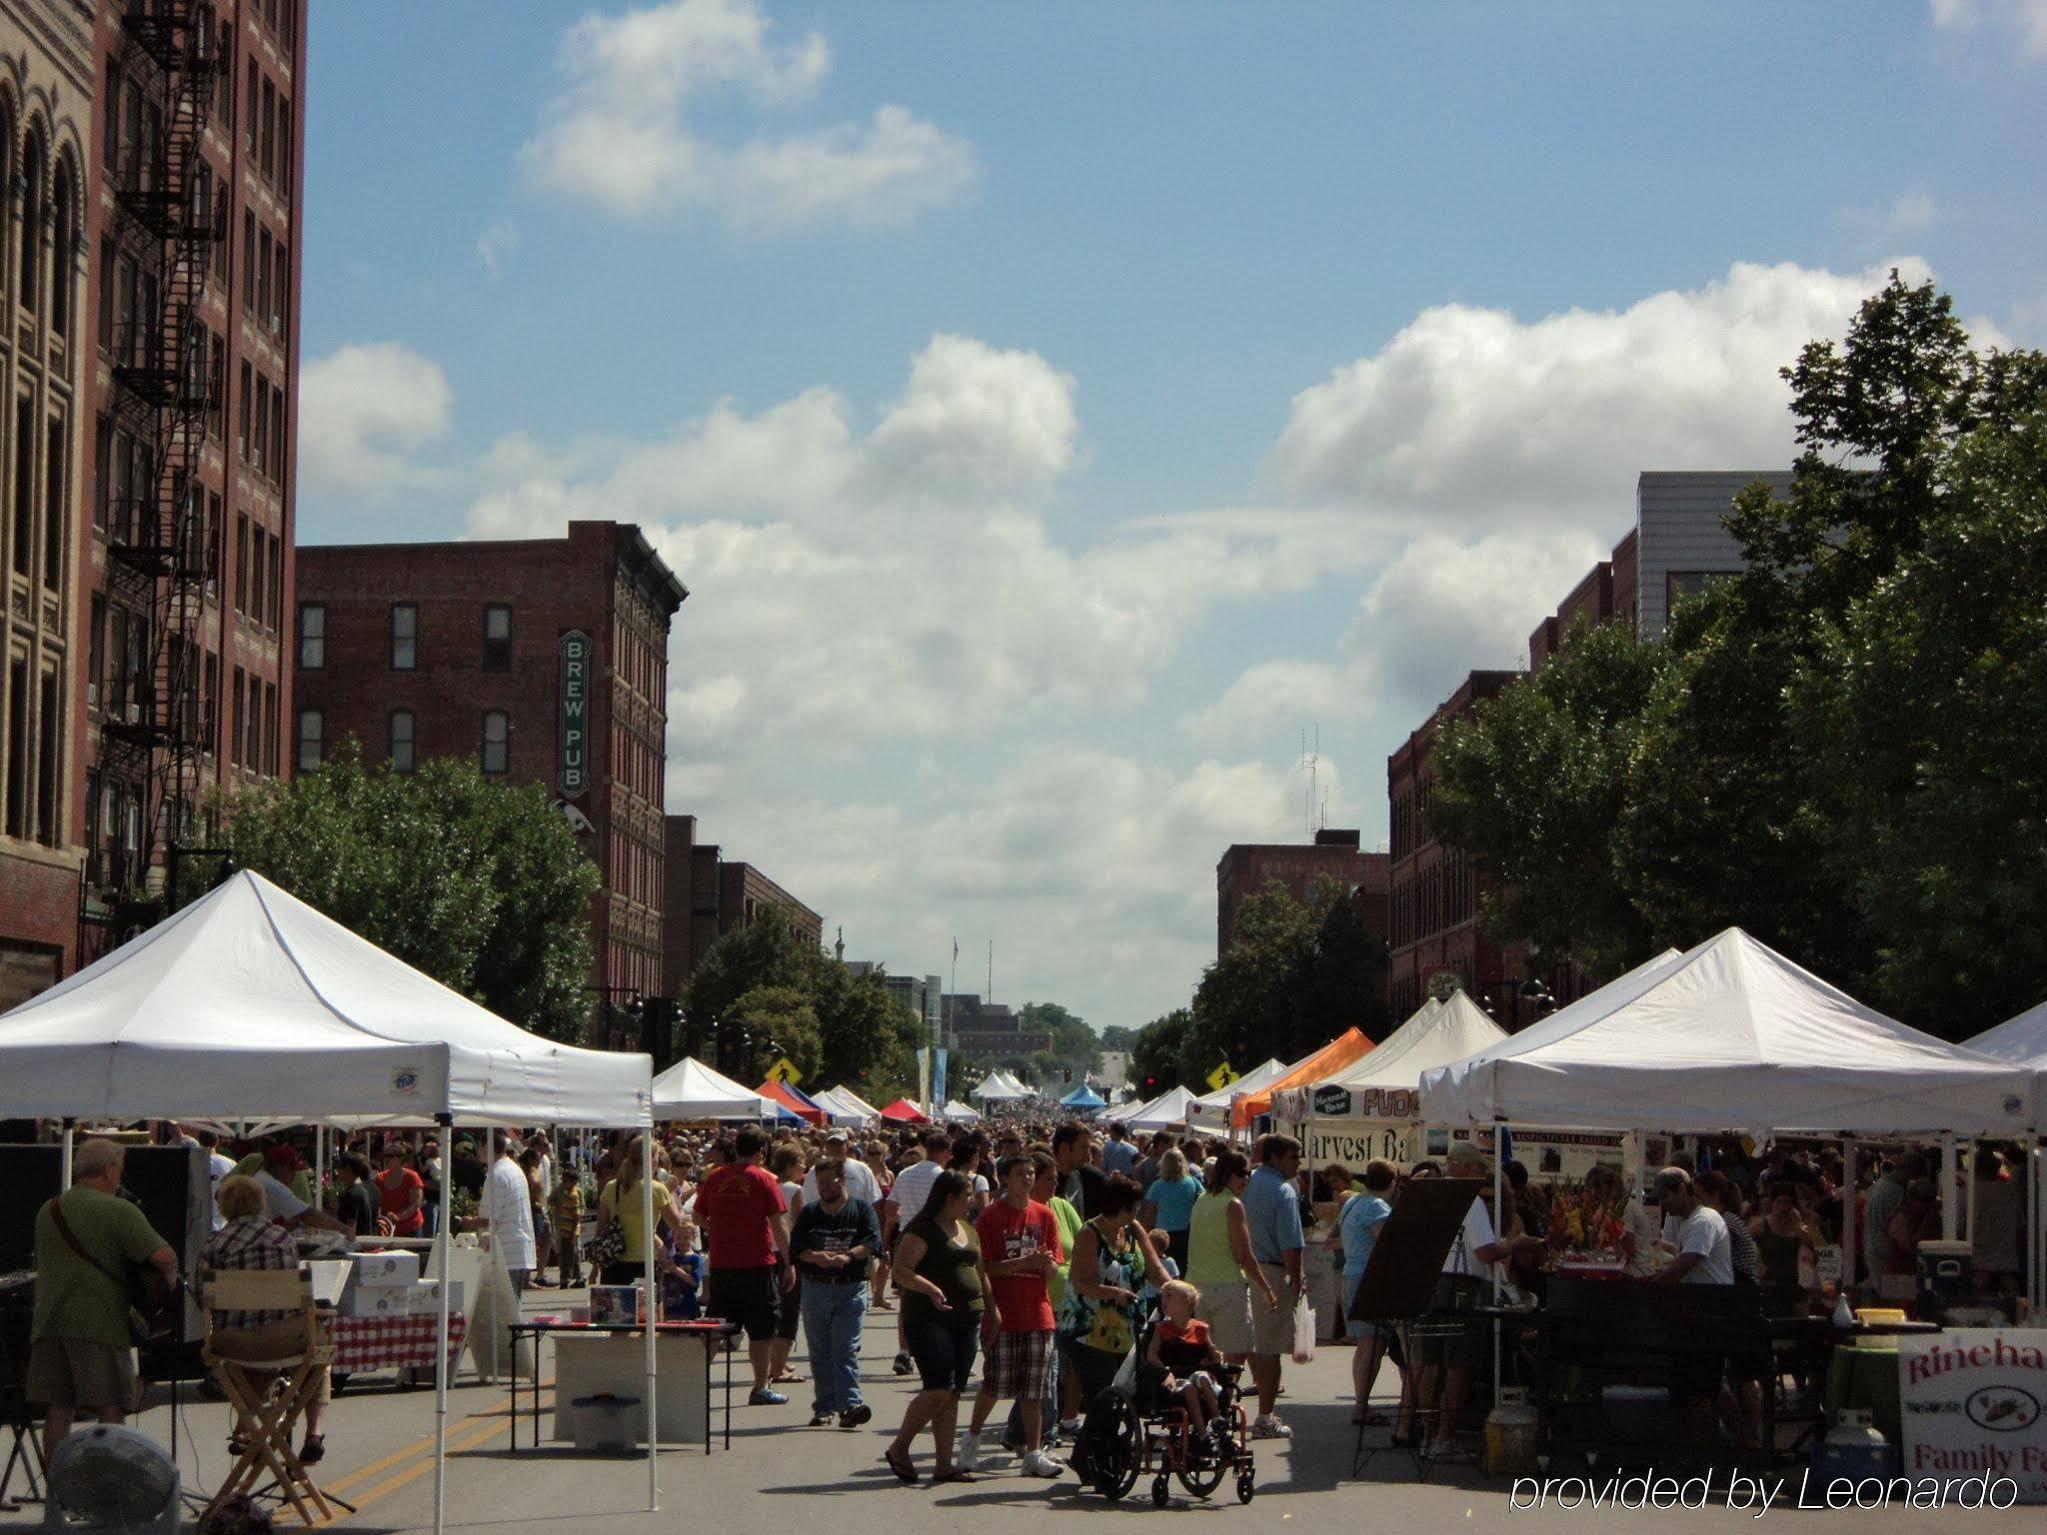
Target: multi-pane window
(496, 741)
(312, 636)
(401, 752)
(404, 636)
(312, 727)
(497, 638)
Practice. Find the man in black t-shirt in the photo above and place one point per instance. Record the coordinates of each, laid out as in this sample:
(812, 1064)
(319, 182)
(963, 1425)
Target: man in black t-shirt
(833, 1239)
(1080, 1181)
(356, 1205)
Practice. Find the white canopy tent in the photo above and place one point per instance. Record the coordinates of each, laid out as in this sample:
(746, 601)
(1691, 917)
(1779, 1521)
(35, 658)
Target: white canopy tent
(1730, 1036)
(1441, 1032)
(691, 1090)
(844, 1106)
(957, 1113)
(1000, 1086)
(250, 1004)
(2023, 1041)
(1164, 1112)
(1211, 1111)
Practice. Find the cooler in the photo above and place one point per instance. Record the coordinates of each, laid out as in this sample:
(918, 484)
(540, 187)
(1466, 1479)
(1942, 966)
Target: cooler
(1947, 1273)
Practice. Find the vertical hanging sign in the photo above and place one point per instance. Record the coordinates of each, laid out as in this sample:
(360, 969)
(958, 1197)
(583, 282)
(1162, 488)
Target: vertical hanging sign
(575, 707)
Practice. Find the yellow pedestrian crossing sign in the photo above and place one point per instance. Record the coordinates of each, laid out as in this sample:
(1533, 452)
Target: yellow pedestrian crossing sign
(784, 1070)
(1223, 1076)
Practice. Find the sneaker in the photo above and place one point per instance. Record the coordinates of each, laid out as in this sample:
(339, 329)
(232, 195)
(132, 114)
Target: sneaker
(820, 1419)
(903, 1364)
(1038, 1463)
(1070, 1427)
(765, 1396)
(1269, 1427)
(857, 1416)
(966, 1455)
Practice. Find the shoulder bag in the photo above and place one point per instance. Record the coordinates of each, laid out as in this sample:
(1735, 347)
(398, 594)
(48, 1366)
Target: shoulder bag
(152, 1299)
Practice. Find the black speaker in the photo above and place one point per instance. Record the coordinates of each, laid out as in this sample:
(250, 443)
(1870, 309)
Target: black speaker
(172, 1184)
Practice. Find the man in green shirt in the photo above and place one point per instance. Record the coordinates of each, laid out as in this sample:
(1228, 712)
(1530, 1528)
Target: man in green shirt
(81, 1357)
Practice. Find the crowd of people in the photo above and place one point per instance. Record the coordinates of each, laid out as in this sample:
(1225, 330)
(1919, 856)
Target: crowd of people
(1045, 1253)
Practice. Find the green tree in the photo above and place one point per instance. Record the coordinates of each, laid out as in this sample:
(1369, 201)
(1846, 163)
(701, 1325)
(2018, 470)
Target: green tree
(1248, 1002)
(475, 882)
(767, 1024)
(767, 952)
(867, 1036)
(1157, 1052)
(1535, 780)
(1117, 1036)
(1077, 1047)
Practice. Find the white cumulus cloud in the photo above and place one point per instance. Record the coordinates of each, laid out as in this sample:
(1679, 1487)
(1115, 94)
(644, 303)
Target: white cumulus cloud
(2025, 20)
(365, 410)
(622, 134)
(1472, 418)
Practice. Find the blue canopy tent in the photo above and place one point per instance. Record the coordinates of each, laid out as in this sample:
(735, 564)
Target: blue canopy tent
(1083, 1097)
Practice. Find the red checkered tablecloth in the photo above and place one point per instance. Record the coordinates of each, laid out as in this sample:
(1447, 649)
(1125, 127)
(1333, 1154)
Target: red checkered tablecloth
(393, 1342)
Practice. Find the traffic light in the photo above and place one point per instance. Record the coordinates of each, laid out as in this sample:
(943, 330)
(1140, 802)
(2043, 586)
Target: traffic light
(1151, 1081)
(1065, 1076)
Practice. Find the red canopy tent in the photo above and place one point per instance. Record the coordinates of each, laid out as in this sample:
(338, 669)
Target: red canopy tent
(802, 1107)
(902, 1111)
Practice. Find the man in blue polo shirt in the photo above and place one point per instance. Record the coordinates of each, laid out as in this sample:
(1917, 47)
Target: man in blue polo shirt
(1272, 1209)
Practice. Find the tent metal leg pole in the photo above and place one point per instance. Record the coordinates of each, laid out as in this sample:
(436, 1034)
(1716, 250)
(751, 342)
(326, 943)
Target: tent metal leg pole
(1950, 1212)
(653, 1313)
(1499, 1231)
(64, 1157)
(1975, 1151)
(320, 1167)
(441, 1368)
(1848, 1217)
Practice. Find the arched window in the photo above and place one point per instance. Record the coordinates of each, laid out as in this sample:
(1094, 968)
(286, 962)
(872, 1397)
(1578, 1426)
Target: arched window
(60, 257)
(32, 224)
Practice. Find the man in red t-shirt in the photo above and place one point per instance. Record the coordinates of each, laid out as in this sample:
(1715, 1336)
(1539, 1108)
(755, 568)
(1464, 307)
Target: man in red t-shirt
(1019, 1247)
(745, 1221)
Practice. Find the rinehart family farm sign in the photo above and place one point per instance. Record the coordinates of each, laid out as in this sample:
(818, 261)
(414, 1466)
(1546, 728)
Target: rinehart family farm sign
(1974, 1404)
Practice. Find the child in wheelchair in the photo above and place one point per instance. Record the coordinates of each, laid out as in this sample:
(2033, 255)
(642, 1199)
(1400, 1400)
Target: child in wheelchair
(1182, 1350)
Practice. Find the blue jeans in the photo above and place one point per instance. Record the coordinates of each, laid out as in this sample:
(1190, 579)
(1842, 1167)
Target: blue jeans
(832, 1318)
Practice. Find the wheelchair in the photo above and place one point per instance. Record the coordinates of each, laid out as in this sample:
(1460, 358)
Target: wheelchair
(1129, 1433)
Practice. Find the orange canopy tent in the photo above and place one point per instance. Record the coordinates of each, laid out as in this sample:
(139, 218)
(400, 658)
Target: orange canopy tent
(795, 1103)
(1347, 1048)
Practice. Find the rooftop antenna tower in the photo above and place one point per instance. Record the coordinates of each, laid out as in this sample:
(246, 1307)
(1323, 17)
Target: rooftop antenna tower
(1315, 805)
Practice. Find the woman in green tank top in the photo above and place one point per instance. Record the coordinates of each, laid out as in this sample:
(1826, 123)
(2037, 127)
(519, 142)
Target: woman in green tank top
(1219, 1259)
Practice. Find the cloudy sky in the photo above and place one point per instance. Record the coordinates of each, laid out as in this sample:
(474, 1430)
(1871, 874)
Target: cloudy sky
(1057, 410)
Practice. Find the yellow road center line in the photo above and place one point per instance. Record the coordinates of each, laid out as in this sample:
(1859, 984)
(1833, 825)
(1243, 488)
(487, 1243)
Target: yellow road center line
(423, 1444)
(456, 1445)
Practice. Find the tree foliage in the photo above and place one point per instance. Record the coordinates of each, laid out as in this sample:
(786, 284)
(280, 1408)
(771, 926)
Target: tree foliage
(1838, 749)
(476, 882)
(1295, 977)
(862, 1036)
(1117, 1036)
(1155, 1057)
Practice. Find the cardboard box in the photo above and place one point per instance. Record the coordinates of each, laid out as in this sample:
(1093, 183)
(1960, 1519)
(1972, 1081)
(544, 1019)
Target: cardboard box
(388, 1268)
(376, 1300)
(617, 1306)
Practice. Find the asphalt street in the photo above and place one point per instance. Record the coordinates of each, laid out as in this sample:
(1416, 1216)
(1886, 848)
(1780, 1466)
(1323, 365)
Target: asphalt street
(781, 1472)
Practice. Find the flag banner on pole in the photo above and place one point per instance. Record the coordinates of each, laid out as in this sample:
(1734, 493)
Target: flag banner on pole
(938, 1078)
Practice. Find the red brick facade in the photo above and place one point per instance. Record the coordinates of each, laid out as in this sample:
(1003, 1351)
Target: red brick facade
(1245, 868)
(457, 650)
(709, 897)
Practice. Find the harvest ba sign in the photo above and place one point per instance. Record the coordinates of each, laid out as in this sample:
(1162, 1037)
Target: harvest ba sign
(1973, 1401)
(575, 713)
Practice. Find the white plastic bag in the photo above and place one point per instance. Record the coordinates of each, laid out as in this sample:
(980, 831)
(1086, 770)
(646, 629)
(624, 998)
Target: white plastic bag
(1304, 1332)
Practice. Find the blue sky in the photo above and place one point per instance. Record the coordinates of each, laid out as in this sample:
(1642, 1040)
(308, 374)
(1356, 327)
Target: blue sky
(1055, 410)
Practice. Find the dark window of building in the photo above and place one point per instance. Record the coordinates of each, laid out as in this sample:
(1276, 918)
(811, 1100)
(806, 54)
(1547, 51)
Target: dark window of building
(96, 653)
(251, 108)
(496, 741)
(54, 504)
(238, 741)
(261, 456)
(110, 143)
(404, 637)
(280, 290)
(61, 259)
(269, 131)
(102, 470)
(276, 583)
(401, 741)
(24, 484)
(311, 728)
(242, 563)
(259, 565)
(106, 317)
(242, 415)
(270, 763)
(17, 749)
(497, 638)
(312, 636)
(32, 224)
(263, 309)
(248, 262)
(284, 138)
(277, 434)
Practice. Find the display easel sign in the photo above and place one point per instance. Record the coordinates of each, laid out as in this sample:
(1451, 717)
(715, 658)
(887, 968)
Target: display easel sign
(1973, 1412)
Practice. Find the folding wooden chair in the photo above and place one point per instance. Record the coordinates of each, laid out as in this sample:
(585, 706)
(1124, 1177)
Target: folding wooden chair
(269, 1396)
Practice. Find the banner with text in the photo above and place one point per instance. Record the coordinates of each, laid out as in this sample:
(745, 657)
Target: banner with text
(1971, 1403)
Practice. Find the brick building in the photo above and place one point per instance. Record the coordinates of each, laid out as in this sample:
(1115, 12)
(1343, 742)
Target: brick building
(988, 1031)
(1435, 933)
(1245, 867)
(188, 441)
(46, 99)
(708, 897)
(1679, 544)
(541, 660)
